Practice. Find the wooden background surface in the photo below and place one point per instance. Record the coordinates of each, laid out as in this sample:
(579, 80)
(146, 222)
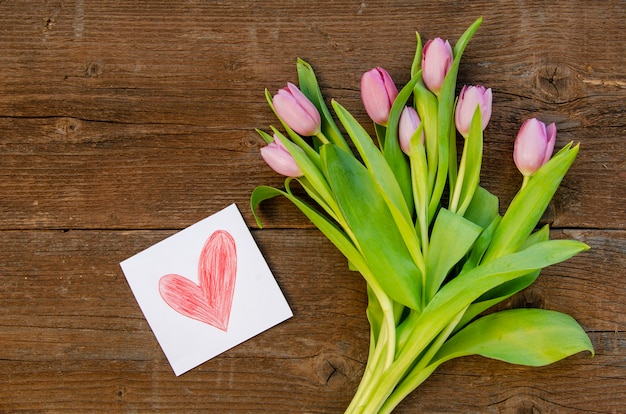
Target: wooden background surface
(123, 122)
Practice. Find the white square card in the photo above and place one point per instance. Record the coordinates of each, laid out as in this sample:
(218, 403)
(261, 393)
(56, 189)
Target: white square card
(205, 289)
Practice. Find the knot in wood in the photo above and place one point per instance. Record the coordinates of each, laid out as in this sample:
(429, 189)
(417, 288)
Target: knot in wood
(331, 369)
(556, 83)
(120, 392)
(68, 126)
(94, 69)
(529, 298)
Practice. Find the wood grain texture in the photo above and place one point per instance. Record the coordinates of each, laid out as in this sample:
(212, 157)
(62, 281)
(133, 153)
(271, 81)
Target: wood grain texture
(124, 122)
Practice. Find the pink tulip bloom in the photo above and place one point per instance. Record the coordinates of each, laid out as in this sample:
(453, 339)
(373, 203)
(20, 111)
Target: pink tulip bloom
(297, 111)
(280, 160)
(469, 98)
(409, 122)
(533, 146)
(378, 93)
(436, 62)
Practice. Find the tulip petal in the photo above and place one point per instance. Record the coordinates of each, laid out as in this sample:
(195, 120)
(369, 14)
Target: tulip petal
(530, 146)
(295, 109)
(378, 93)
(409, 122)
(280, 160)
(551, 132)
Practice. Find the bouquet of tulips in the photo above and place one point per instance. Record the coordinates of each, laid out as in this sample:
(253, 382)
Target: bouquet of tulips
(409, 215)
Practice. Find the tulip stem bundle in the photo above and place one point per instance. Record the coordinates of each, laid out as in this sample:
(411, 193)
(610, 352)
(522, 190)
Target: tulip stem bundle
(431, 271)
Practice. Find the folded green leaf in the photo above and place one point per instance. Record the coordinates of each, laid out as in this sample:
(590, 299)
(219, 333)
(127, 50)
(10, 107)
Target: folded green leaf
(532, 337)
(445, 129)
(384, 177)
(392, 152)
(452, 237)
(529, 204)
(471, 162)
(507, 289)
(483, 209)
(373, 226)
(461, 291)
(426, 105)
(416, 66)
(329, 229)
(480, 246)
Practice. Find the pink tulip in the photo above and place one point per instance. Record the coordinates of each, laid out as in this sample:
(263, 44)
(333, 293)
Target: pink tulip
(378, 93)
(533, 146)
(469, 98)
(297, 111)
(409, 122)
(436, 62)
(279, 159)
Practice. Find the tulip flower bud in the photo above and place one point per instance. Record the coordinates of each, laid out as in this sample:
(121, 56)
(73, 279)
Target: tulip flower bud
(469, 98)
(279, 159)
(378, 93)
(436, 62)
(297, 111)
(409, 122)
(533, 146)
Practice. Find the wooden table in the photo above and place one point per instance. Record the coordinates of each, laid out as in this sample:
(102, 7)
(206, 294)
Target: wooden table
(122, 123)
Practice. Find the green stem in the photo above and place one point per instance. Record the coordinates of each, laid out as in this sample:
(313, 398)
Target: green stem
(396, 398)
(452, 170)
(322, 138)
(422, 370)
(458, 188)
(440, 182)
(526, 180)
(380, 358)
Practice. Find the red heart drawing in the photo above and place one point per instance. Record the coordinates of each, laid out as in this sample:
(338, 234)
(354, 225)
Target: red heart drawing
(209, 301)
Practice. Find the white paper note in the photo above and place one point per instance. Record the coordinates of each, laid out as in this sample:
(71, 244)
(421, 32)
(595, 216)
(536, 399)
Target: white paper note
(205, 289)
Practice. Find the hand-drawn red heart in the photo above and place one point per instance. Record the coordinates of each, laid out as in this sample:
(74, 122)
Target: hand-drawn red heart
(209, 301)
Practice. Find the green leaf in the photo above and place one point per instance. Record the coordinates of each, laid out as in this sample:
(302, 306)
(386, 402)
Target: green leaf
(373, 226)
(529, 204)
(533, 337)
(381, 132)
(329, 229)
(310, 88)
(473, 154)
(374, 314)
(383, 177)
(451, 239)
(419, 181)
(483, 209)
(481, 245)
(454, 297)
(461, 291)
(426, 105)
(266, 137)
(507, 289)
(416, 66)
(445, 130)
(392, 151)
